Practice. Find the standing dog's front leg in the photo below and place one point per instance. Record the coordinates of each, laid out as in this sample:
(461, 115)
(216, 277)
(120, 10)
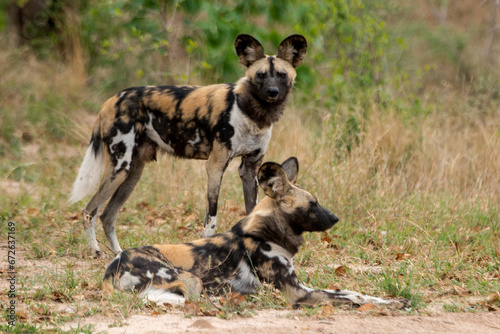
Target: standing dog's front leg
(215, 166)
(248, 174)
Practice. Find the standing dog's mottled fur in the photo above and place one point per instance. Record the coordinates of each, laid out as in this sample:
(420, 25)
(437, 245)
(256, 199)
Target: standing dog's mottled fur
(215, 123)
(259, 248)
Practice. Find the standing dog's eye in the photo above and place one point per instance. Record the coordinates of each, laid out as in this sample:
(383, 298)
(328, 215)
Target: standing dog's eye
(281, 75)
(261, 75)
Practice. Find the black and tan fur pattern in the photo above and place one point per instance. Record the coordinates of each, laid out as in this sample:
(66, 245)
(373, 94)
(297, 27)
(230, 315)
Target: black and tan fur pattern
(259, 248)
(215, 123)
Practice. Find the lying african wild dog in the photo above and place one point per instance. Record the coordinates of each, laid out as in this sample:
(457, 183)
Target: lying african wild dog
(215, 123)
(259, 248)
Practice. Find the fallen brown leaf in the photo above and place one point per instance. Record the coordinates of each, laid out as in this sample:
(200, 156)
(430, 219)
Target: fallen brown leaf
(326, 237)
(208, 313)
(21, 315)
(44, 318)
(493, 298)
(191, 307)
(32, 212)
(402, 256)
(327, 311)
(236, 298)
(491, 308)
(367, 307)
(143, 206)
(60, 297)
(341, 271)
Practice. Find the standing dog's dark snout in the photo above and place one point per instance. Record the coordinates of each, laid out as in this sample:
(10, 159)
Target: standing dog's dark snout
(273, 91)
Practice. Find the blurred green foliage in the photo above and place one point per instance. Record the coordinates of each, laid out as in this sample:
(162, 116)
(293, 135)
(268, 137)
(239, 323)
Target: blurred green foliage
(354, 59)
(346, 39)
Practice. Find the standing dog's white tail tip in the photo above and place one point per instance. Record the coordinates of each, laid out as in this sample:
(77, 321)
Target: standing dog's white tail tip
(89, 175)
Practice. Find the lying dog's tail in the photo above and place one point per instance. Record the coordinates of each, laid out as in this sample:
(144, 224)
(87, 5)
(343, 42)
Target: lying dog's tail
(91, 169)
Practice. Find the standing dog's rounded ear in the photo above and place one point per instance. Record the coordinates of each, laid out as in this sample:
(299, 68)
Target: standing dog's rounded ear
(248, 49)
(293, 49)
(291, 167)
(273, 179)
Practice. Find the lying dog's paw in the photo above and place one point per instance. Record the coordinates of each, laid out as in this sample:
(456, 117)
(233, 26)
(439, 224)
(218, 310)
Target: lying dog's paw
(399, 304)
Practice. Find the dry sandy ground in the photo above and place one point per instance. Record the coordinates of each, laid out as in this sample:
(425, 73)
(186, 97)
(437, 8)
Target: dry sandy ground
(431, 320)
(289, 322)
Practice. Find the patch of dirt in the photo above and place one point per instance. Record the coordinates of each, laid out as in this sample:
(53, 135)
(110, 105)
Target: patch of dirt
(290, 322)
(328, 320)
(13, 188)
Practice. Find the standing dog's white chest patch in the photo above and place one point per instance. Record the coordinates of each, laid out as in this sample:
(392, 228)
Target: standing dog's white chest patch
(248, 137)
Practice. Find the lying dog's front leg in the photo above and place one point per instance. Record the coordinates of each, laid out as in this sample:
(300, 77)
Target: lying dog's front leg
(299, 295)
(308, 297)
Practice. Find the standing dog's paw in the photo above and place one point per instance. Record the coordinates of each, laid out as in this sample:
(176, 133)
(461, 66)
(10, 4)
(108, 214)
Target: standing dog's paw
(98, 254)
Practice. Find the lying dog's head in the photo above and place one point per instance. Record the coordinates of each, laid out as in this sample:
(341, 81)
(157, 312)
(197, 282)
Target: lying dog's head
(297, 207)
(271, 77)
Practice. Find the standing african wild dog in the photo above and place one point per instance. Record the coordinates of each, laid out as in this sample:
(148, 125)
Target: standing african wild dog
(215, 123)
(259, 248)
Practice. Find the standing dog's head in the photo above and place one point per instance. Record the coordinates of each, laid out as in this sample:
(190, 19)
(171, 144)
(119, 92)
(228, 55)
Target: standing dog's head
(271, 77)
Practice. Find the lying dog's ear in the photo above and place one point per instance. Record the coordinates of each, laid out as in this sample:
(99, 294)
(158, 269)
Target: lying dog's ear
(248, 49)
(273, 179)
(291, 167)
(293, 49)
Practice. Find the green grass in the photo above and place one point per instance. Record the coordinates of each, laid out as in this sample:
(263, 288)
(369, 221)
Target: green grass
(414, 244)
(414, 180)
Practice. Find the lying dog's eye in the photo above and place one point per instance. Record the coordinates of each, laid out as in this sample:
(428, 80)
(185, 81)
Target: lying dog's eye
(281, 75)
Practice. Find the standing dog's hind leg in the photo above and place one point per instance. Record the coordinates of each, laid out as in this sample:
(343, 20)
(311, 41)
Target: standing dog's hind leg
(89, 224)
(121, 194)
(106, 189)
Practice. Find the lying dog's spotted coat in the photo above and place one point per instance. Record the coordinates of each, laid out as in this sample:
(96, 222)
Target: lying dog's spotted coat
(215, 123)
(259, 248)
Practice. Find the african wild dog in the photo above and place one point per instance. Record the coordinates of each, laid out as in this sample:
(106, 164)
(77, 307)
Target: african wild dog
(215, 123)
(259, 248)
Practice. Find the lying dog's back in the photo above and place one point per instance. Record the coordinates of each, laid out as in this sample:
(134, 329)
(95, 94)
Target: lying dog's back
(219, 264)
